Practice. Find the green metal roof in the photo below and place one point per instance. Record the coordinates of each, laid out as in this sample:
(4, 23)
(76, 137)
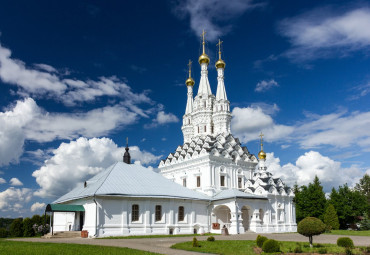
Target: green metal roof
(64, 208)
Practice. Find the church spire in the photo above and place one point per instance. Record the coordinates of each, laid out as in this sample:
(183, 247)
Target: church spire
(126, 156)
(189, 84)
(204, 87)
(220, 66)
(262, 154)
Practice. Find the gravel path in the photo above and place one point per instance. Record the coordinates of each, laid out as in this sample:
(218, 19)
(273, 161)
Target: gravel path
(162, 245)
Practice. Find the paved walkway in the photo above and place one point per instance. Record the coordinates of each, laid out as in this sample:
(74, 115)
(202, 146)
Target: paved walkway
(162, 245)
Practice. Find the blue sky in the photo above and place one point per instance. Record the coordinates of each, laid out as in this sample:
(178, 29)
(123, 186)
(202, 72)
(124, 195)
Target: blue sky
(77, 78)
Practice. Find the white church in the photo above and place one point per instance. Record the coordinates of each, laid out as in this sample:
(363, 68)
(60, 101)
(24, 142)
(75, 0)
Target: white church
(208, 184)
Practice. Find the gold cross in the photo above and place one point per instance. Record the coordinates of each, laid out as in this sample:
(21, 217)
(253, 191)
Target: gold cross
(203, 34)
(219, 47)
(189, 65)
(126, 141)
(261, 135)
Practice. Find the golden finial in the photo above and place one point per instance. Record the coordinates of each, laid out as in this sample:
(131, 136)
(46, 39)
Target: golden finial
(220, 63)
(261, 154)
(190, 81)
(204, 58)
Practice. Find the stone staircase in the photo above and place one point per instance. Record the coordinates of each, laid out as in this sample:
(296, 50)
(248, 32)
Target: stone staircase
(63, 234)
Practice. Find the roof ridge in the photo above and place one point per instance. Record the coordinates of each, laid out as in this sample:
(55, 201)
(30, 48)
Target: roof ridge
(106, 177)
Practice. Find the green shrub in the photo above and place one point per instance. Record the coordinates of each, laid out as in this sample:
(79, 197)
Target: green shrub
(368, 249)
(260, 240)
(311, 226)
(195, 242)
(349, 251)
(271, 245)
(298, 248)
(16, 228)
(345, 242)
(3, 233)
(211, 239)
(322, 250)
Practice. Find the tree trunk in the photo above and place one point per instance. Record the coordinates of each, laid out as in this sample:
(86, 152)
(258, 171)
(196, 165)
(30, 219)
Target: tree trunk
(310, 238)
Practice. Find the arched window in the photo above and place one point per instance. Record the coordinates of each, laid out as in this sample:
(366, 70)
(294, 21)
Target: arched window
(222, 180)
(135, 213)
(198, 181)
(181, 214)
(158, 213)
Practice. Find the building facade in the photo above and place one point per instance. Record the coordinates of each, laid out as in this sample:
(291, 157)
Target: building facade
(209, 183)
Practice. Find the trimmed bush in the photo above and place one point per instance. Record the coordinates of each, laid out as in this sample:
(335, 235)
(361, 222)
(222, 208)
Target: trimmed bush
(311, 226)
(298, 248)
(271, 245)
(195, 242)
(260, 240)
(322, 251)
(211, 239)
(349, 251)
(345, 242)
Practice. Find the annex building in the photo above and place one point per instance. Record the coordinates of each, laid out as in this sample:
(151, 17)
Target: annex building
(209, 183)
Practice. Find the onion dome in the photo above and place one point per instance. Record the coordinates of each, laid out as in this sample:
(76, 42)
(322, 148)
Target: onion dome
(220, 63)
(190, 81)
(204, 57)
(262, 154)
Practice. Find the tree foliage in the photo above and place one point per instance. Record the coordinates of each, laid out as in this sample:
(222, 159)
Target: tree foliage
(363, 186)
(16, 228)
(310, 200)
(311, 226)
(349, 204)
(331, 217)
(27, 228)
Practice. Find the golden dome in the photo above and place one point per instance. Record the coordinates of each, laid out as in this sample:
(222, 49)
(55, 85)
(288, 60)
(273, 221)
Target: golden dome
(220, 64)
(204, 59)
(262, 155)
(190, 82)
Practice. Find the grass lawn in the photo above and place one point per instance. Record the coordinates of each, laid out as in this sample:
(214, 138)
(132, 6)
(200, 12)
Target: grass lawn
(32, 248)
(349, 232)
(155, 236)
(246, 247)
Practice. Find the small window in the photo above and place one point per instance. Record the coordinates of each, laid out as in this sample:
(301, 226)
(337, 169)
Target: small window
(198, 181)
(239, 182)
(188, 121)
(135, 213)
(181, 213)
(222, 180)
(184, 182)
(158, 213)
(205, 128)
(204, 103)
(198, 129)
(212, 129)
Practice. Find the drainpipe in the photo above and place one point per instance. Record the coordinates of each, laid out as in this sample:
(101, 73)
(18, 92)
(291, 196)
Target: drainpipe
(209, 216)
(96, 217)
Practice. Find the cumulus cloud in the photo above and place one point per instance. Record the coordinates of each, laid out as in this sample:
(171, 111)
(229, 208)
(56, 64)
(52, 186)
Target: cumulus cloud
(163, 118)
(2, 180)
(264, 85)
(323, 32)
(45, 81)
(12, 199)
(26, 120)
(311, 164)
(247, 123)
(79, 160)
(38, 207)
(214, 16)
(15, 182)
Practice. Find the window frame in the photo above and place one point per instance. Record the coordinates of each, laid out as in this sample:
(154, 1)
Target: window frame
(198, 181)
(158, 213)
(181, 214)
(135, 213)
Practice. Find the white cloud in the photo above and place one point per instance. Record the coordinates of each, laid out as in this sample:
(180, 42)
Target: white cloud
(263, 86)
(162, 119)
(2, 180)
(312, 163)
(322, 32)
(361, 91)
(247, 123)
(214, 16)
(38, 207)
(11, 199)
(15, 182)
(79, 160)
(337, 129)
(45, 81)
(26, 120)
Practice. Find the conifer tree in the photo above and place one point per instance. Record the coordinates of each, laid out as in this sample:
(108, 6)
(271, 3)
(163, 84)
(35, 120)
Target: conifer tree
(331, 218)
